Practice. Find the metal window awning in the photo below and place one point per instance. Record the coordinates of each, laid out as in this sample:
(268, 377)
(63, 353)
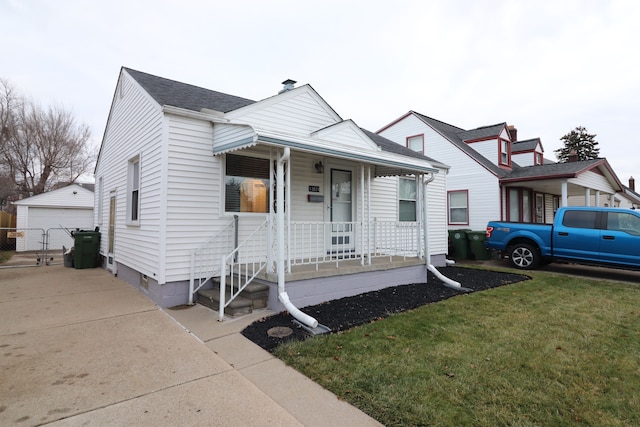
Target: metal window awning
(386, 163)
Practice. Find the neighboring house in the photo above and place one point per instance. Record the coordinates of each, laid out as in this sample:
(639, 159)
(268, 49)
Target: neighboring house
(185, 175)
(494, 176)
(49, 217)
(628, 198)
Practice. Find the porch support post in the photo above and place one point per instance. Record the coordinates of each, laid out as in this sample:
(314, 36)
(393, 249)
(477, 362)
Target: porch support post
(270, 238)
(612, 200)
(369, 214)
(419, 202)
(362, 214)
(564, 193)
(287, 208)
(587, 196)
(597, 197)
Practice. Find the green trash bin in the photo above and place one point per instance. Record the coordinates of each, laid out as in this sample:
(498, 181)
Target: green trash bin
(460, 243)
(476, 243)
(86, 248)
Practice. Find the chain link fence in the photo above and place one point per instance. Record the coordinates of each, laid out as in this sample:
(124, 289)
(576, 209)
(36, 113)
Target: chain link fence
(33, 247)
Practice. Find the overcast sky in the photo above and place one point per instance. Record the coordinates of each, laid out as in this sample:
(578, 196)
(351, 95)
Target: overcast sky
(543, 66)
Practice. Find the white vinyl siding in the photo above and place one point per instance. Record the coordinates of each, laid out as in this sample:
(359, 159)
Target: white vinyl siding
(298, 112)
(194, 180)
(437, 215)
(465, 172)
(135, 127)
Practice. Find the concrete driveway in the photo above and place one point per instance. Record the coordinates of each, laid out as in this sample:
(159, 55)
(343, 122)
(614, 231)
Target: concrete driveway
(81, 347)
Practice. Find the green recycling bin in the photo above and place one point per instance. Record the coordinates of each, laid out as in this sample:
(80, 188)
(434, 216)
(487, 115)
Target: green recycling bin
(86, 247)
(460, 243)
(476, 243)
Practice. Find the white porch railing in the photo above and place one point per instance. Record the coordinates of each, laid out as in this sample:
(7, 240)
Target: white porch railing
(308, 243)
(324, 242)
(242, 265)
(205, 262)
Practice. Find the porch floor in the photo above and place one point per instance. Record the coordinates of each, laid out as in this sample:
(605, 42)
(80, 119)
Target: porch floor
(343, 267)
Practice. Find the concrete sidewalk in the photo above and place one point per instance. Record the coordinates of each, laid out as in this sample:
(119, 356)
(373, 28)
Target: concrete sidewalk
(81, 347)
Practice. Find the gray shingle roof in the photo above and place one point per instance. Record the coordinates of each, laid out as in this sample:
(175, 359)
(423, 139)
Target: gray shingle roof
(527, 145)
(554, 170)
(177, 94)
(182, 95)
(392, 147)
(453, 134)
(482, 132)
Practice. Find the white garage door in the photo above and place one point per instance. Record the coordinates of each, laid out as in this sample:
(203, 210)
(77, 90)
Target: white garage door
(58, 221)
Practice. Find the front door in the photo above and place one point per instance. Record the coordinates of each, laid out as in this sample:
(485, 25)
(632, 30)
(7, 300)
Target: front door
(341, 231)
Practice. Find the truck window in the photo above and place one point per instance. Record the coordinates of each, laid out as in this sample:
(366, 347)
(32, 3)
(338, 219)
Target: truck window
(623, 221)
(579, 219)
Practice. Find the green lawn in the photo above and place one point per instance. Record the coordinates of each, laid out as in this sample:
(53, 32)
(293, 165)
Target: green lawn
(551, 351)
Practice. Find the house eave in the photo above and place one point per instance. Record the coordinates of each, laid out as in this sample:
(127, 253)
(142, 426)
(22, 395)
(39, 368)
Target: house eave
(390, 166)
(208, 115)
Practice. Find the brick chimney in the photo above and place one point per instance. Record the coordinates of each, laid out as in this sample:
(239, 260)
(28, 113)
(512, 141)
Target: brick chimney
(513, 133)
(632, 184)
(573, 156)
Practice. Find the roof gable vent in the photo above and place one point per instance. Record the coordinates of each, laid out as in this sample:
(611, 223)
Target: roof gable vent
(288, 85)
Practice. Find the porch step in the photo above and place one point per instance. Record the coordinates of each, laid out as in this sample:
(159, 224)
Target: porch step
(254, 296)
(211, 298)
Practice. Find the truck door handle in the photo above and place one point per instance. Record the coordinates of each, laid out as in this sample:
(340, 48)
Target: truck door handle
(563, 233)
(608, 237)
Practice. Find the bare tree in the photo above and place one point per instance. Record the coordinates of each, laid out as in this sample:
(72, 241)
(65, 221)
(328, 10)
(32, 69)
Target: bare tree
(41, 147)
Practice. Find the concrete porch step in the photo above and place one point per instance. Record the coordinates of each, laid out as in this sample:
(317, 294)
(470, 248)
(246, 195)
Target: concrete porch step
(211, 298)
(254, 296)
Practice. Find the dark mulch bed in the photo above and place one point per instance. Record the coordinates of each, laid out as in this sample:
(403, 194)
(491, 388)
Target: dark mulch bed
(345, 313)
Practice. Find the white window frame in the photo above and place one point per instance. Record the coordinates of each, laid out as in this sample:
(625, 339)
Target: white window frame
(134, 174)
(409, 200)
(268, 184)
(416, 138)
(451, 206)
(504, 152)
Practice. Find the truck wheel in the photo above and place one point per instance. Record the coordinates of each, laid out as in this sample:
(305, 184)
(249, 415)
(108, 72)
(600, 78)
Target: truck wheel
(524, 256)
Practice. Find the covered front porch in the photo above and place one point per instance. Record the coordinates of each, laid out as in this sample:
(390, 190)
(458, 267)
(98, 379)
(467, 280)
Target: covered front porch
(533, 194)
(335, 222)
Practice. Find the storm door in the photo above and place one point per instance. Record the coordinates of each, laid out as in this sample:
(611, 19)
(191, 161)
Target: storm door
(341, 230)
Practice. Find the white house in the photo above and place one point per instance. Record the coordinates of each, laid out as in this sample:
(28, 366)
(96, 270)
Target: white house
(195, 185)
(494, 176)
(47, 219)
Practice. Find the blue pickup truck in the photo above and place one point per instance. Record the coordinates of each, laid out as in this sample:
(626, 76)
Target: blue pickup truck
(583, 235)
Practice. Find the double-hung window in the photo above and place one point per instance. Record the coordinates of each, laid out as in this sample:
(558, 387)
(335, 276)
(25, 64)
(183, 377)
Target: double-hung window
(407, 199)
(458, 207)
(504, 152)
(416, 143)
(133, 193)
(246, 184)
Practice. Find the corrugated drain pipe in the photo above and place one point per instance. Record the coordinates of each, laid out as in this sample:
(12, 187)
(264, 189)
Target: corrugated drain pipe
(282, 294)
(447, 281)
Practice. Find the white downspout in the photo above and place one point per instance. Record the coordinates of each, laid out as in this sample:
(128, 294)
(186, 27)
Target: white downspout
(448, 282)
(280, 215)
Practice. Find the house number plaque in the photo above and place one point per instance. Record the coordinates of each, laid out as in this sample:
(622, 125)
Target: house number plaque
(314, 189)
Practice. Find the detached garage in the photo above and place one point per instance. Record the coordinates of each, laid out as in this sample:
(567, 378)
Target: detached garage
(51, 216)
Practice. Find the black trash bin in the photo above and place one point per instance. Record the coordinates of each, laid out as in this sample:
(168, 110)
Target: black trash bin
(460, 243)
(86, 248)
(477, 245)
